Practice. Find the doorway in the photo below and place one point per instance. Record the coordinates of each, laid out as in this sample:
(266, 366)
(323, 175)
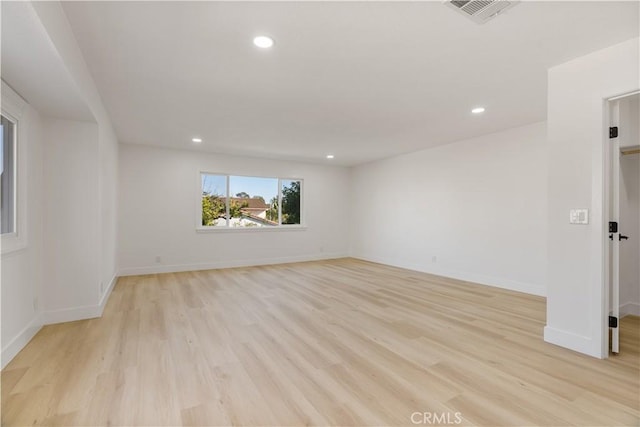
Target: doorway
(623, 194)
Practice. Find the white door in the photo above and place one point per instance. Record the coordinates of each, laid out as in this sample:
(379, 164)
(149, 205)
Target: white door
(614, 234)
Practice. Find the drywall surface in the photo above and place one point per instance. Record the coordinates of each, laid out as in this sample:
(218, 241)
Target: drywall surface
(21, 271)
(578, 89)
(71, 219)
(474, 210)
(158, 210)
(103, 163)
(108, 191)
(69, 265)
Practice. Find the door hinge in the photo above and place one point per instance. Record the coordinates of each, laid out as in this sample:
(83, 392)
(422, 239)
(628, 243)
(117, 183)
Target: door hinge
(613, 227)
(613, 322)
(613, 132)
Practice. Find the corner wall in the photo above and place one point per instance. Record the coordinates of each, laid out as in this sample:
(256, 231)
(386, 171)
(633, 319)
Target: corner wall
(578, 89)
(21, 271)
(69, 265)
(103, 176)
(473, 210)
(71, 220)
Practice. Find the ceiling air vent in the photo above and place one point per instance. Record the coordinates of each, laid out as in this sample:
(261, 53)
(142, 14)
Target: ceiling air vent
(480, 11)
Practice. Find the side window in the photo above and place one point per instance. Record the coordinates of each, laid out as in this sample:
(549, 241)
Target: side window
(8, 176)
(291, 206)
(214, 194)
(13, 172)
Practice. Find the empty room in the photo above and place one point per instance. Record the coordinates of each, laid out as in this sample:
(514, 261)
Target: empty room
(320, 213)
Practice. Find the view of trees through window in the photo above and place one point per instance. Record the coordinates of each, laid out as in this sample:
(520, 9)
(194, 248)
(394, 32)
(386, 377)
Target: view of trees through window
(243, 201)
(290, 202)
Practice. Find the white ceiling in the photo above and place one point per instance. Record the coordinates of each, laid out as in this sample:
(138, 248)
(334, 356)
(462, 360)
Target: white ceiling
(362, 80)
(32, 67)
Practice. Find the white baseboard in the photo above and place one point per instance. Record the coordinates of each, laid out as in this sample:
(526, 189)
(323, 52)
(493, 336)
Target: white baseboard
(630, 308)
(20, 341)
(107, 293)
(79, 313)
(51, 317)
(71, 314)
(176, 268)
(496, 282)
(571, 341)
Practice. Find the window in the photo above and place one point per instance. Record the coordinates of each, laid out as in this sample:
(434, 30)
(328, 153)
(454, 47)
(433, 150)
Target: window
(13, 172)
(290, 196)
(8, 176)
(249, 202)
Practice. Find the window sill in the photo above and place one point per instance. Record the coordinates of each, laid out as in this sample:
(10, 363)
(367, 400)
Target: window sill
(250, 229)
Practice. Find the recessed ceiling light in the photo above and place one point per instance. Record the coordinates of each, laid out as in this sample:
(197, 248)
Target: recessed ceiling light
(263, 42)
(196, 140)
(330, 156)
(478, 110)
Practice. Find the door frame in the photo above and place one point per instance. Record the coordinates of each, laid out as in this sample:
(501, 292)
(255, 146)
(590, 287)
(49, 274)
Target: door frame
(606, 202)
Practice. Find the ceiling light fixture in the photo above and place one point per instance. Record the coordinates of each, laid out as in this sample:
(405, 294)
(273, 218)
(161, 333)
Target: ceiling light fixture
(330, 156)
(196, 140)
(263, 42)
(478, 110)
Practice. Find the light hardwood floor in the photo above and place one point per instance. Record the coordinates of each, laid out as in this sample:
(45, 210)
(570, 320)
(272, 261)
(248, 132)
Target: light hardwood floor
(341, 342)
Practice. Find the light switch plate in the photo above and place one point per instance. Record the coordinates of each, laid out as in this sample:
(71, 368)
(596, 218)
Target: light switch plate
(579, 216)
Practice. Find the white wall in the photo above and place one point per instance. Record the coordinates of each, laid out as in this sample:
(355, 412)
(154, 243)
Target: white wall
(630, 226)
(159, 191)
(576, 315)
(478, 206)
(108, 191)
(69, 265)
(104, 167)
(71, 219)
(21, 272)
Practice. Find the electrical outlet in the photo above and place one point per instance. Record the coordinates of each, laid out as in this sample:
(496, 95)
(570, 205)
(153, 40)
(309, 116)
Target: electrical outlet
(158, 259)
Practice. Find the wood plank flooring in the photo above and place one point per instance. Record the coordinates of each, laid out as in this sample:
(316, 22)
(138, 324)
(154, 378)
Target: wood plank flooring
(340, 342)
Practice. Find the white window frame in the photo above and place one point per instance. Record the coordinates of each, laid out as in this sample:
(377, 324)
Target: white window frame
(12, 108)
(280, 227)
